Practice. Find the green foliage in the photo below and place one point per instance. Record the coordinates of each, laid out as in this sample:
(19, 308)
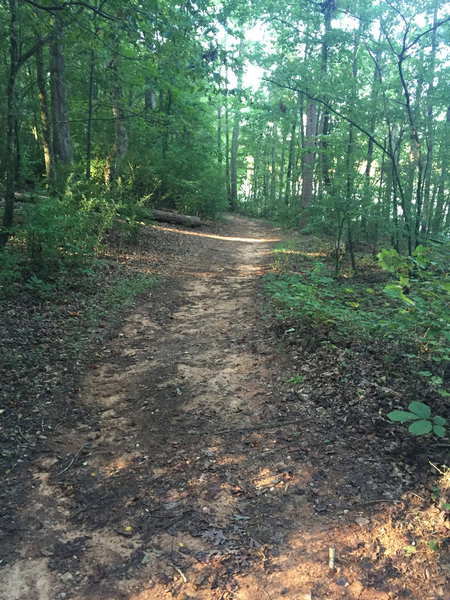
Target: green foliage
(63, 233)
(423, 315)
(105, 301)
(296, 379)
(10, 270)
(423, 422)
(320, 302)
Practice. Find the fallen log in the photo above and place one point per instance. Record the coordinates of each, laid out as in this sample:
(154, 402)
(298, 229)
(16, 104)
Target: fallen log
(170, 217)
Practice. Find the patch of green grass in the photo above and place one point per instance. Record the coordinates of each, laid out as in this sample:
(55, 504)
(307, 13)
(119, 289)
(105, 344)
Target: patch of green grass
(317, 301)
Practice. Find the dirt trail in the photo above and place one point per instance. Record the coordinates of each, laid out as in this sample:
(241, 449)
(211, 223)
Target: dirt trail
(193, 481)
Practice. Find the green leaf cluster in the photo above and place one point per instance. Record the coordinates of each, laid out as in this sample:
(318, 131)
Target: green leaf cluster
(422, 421)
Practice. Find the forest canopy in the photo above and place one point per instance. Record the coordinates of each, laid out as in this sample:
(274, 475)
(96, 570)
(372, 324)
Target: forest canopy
(327, 116)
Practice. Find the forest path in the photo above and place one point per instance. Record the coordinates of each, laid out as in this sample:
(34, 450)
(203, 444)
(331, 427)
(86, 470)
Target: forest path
(201, 475)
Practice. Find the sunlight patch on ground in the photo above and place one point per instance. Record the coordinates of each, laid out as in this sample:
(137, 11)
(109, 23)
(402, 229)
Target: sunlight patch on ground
(118, 464)
(217, 237)
(300, 253)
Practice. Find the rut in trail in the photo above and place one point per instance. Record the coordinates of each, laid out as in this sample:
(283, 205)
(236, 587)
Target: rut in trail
(196, 474)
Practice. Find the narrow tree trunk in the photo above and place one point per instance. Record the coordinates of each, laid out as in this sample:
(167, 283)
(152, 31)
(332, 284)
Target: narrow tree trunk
(350, 151)
(328, 7)
(236, 126)
(219, 135)
(428, 170)
(287, 194)
(149, 97)
(165, 141)
(273, 167)
(45, 122)
(90, 113)
(439, 212)
(281, 177)
(227, 152)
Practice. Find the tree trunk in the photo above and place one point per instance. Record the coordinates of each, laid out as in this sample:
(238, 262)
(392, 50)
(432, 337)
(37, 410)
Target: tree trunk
(439, 211)
(291, 158)
(90, 113)
(273, 178)
(170, 217)
(227, 151)
(236, 125)
(328, 7)
(281, 178)
(219, 135)
(62, 142)
(45, 122)
(120, 147)
(309, 156)
(11, 150)
(428, 170)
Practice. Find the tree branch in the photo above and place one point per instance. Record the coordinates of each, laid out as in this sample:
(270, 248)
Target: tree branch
(331, 109)
(65, 5)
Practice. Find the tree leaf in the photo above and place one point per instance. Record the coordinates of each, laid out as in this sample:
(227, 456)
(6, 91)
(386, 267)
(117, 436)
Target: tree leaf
(420, 427)
(438, 430)
(421, 409)
(402, 415)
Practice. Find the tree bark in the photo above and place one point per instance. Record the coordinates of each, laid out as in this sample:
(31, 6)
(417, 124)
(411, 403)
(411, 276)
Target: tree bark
(273, 175)
(90, 113)
(45, 121)
(170, 217)
(291, 158)
(62, 141)
(310, 155)
(236, 126)
(11, 150)
(120, 146)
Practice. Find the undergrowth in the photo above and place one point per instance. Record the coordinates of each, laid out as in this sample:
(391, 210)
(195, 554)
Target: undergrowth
(403, 316)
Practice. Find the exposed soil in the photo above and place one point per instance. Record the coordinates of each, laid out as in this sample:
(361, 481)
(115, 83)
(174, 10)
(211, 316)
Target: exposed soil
(194, 470)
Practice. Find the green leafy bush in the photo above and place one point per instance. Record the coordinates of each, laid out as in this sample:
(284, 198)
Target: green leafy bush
(63, 233)
(422, 319)
(10, 270)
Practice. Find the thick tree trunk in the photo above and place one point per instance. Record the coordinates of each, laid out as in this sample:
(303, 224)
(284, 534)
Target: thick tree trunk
(120, 147)
(310, 155)
(11, 127)
(45, 121)
(62, 142)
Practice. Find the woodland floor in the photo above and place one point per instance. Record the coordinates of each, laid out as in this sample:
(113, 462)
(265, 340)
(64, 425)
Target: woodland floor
(174, 461)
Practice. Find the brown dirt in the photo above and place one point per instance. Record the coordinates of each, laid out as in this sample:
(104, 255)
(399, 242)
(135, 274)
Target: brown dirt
(197, 472)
